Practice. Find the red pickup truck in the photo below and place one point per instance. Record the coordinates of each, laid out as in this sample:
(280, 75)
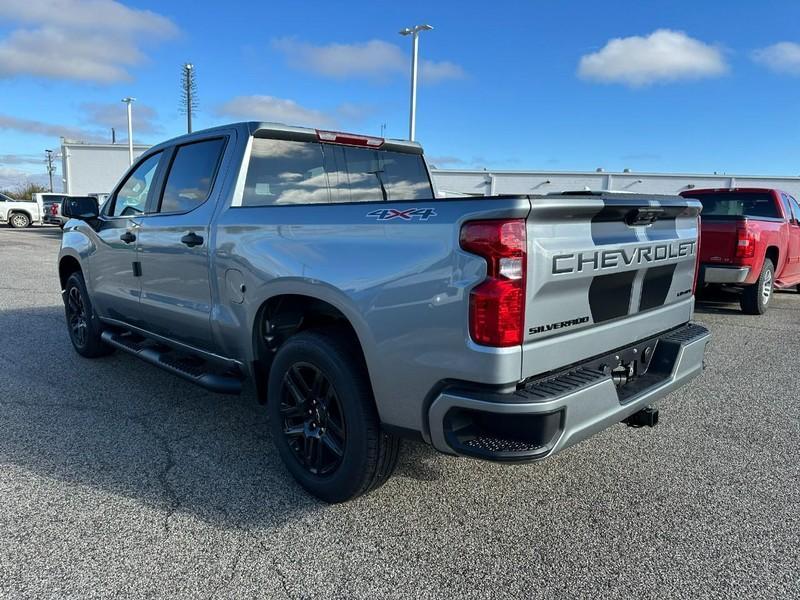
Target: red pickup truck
(750, 239)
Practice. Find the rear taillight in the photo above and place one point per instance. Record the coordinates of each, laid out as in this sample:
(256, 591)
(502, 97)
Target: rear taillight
(745, 243)
(349, 139)
(497, 305)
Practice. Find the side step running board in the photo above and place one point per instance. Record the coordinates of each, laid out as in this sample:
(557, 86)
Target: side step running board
(167, 360)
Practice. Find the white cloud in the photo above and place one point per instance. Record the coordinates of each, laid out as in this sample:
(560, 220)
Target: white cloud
(664, 55)
(289, 112)
(783, 57)
(87, 15)
(13, 179)
(444, 161)
(113, 114)
(20, 159)
(269, 108)
(82, 40)
(376, 60)
(433, 72)
(30, 126)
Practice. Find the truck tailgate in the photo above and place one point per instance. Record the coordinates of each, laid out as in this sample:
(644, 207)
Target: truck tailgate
(605, 271)
(719, 239)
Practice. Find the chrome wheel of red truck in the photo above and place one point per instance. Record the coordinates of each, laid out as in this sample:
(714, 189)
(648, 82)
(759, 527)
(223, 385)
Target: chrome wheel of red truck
(756, 297)
(766, 287)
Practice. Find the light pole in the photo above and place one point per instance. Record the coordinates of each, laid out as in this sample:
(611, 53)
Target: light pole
(50, 167)
(414, 32)
(130, 101)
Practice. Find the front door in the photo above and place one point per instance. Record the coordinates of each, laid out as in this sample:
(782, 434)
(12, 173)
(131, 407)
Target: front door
(174, 240)
(113, 281)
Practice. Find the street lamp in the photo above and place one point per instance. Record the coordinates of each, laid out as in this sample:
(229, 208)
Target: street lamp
(130, 101)
(414, 32)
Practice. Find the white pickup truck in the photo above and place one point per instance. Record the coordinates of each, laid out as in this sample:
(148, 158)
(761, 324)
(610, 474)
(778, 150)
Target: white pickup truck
(20, 213)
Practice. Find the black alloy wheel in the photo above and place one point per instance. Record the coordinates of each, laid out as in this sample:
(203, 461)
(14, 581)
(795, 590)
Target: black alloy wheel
(77, 317)
(85, 331)
(313, 420)
(323, 418)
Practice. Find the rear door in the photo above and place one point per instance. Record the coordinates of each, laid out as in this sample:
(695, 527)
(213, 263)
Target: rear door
(174, 241)
(605, 271)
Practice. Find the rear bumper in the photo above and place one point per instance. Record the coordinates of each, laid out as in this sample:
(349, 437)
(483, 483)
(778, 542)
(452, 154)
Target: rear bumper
(717, 274)
(548, 415)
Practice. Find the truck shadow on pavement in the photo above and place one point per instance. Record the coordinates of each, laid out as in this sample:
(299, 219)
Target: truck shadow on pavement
(121, 426)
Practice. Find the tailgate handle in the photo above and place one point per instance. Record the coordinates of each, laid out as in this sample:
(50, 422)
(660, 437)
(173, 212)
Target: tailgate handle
(643, 216)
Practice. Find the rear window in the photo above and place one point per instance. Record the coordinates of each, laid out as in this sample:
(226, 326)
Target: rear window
(291, 172)
(739, 204)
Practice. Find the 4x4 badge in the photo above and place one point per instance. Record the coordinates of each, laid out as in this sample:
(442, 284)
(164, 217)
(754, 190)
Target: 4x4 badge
(387, 214)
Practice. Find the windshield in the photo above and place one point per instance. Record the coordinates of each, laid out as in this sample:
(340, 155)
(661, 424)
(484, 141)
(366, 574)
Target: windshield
(739, 204)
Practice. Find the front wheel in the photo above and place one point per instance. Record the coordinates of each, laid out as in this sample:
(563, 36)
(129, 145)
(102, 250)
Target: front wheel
(323, 418)
(19, 220)
(83, 325)
(756, 297)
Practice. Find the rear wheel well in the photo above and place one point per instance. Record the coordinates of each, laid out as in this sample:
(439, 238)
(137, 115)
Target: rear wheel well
(20, 211)
(67, 267)
(281, 317)
(772, 254)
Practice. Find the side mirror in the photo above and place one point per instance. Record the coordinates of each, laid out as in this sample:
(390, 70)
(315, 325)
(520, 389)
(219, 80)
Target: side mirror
(80, 208)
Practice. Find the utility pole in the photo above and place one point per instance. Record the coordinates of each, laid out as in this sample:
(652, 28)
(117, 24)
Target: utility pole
(129, 101)
(50, 168)
(188, 93)
(414, 33)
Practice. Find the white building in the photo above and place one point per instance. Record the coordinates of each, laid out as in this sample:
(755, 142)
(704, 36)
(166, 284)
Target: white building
(453, 182)
(94, 168)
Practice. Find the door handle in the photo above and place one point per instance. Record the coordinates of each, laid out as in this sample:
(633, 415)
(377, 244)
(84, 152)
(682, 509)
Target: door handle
(128, 237)
(191, 239)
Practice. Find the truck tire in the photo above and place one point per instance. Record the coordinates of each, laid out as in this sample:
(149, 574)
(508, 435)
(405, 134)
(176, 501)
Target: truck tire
(756, 297)
(323, 418)
(82, 324)
(19, 220)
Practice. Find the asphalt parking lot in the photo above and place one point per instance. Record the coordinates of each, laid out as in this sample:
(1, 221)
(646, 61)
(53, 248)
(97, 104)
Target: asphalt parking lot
(118, 479)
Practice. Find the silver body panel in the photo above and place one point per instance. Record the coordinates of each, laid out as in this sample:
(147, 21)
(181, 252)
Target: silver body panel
(403, 285)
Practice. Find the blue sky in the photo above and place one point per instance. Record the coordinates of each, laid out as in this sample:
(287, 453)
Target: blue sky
(651, 86)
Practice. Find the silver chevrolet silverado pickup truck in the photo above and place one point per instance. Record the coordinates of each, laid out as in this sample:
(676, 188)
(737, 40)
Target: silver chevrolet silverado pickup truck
(321, 266)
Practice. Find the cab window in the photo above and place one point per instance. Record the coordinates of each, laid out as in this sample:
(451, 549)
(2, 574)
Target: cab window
(795, 209)
(131, 198)
(191, 176)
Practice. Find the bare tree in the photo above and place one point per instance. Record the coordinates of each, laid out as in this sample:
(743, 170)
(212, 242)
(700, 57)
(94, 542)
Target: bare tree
(188, 93)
